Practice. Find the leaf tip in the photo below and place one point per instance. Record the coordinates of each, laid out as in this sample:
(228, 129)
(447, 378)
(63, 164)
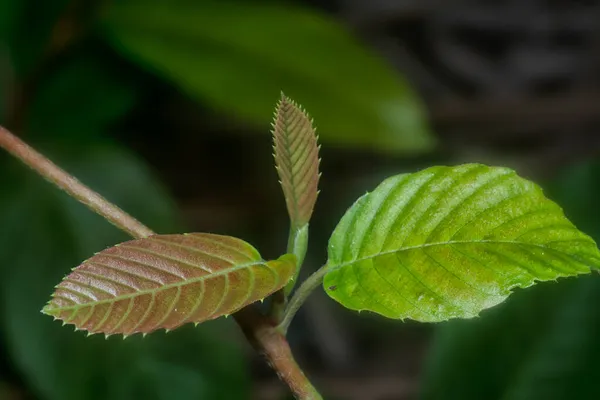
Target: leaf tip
(296, 152)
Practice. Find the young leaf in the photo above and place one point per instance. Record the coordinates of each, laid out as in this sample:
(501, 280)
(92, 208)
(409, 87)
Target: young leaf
(448, 242)
(165, 281)
(296, 159)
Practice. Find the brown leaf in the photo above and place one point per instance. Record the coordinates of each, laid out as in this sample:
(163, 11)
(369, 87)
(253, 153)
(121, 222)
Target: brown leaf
(165, 281)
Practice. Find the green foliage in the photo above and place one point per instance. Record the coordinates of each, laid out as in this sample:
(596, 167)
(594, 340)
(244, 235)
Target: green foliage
(9, 11)
(88, 90)
(449, 242)
(296, 155)
(43, 233)
(540, 344)
(165, 281)
(238, 56)
(27, 27)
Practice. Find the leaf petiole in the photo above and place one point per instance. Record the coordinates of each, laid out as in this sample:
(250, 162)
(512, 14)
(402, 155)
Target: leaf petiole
(300, 296)
(297, 245)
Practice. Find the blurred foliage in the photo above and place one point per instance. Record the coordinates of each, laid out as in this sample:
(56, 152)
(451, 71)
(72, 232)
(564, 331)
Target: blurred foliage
(88, 90)
(45, 233)
(26, 27)
(540, 344)
(239, 55)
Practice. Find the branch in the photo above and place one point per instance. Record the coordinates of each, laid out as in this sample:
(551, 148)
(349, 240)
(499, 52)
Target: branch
(72, 186)
(297, 245)
(272, 344)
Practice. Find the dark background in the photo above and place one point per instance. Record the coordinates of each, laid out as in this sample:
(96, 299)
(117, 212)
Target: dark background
(164, 107)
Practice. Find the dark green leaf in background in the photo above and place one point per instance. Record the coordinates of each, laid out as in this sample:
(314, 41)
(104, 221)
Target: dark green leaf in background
(237, 56)
(43, 233)
(542, 344)
(28, 26)
(9, 16)
(448, 242)
(86, 94)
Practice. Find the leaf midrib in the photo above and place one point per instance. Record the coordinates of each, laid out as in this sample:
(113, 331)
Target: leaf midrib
(450, 242)
(164, 287)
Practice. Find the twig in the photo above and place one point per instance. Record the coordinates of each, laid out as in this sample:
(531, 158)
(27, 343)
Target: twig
(271, 343)
(72, 186)
(297, 245)
(264, 337)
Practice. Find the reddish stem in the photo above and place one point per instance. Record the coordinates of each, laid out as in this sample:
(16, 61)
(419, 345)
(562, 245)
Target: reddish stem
(272, 344)
(72, 186)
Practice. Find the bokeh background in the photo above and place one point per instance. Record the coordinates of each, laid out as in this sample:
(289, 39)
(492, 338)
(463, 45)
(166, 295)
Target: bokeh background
(164, 107)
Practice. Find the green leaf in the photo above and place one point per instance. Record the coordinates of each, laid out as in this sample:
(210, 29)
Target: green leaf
(448, 242)
(237, 57)
(165, 281)
(296, 159)
(9, 15)
(83, 96)
(30, 31)
(44, 232)
(539, 345)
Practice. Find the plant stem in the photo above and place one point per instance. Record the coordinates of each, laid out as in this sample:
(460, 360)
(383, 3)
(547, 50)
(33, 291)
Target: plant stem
(297, 245)
(300, 297)
(263, 336)
(72, 186)
(272, 344)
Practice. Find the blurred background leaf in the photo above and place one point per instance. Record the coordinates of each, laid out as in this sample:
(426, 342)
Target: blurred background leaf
(25, 27)
(85, 87)
(44, 234)
(541, 344)
(238, 56)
